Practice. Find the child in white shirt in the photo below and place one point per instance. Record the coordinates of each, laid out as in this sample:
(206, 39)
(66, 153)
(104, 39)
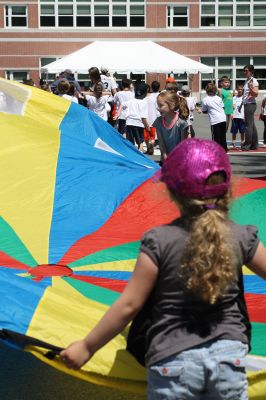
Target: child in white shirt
(137, 116)
(153, 114)
(238, 124)
(98, 103)
(192, 105)
(120, 98)
(213, 106)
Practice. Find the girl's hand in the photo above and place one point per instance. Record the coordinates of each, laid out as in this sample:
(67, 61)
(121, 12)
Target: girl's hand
(76, 355)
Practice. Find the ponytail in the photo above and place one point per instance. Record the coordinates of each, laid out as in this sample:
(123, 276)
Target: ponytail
(208, 261)
(183, 108)
(176, 103)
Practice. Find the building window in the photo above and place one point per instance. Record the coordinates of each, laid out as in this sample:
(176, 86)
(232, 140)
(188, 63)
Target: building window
(233, 68)
(181, 79)
(233, 13)
(43, 75)
(16, 16)
(83, 15)
(119, 15)
(177, 16)
(47, 13)
(94, 13)
(18, 76)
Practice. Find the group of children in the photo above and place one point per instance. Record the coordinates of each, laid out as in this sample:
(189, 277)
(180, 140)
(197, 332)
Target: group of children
(224, 107)
(143, 114)
(147, 114)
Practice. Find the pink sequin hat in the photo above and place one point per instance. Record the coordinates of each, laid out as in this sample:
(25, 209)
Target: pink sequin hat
(190, 164)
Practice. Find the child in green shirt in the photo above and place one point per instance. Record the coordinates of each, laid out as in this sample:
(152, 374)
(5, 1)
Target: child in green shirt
(227, 97)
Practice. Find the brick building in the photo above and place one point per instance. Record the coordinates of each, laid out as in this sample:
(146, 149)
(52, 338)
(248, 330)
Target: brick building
(226, 34)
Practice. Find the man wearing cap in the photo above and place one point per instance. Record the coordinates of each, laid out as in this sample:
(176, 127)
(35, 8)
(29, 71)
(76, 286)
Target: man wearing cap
(68, 76)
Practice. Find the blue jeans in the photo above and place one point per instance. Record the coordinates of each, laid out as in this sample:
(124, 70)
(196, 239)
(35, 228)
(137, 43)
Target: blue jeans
(213, 371)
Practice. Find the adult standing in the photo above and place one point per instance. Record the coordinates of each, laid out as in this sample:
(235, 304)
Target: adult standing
(263, 118)
(251, 91)
(66, 76)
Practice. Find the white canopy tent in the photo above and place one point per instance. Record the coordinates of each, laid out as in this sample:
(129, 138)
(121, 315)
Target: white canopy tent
(138, 57)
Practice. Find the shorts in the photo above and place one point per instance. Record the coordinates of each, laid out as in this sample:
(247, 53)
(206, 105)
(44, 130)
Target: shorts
(121, 126)
(135, 134)
(212, 371)
(150, 135)
(238, 125)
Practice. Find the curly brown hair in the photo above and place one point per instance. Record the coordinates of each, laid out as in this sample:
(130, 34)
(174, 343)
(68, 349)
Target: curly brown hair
(208, 261)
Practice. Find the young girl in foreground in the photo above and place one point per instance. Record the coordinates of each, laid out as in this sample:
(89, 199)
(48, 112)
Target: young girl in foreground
(171, 126)
(199, 333)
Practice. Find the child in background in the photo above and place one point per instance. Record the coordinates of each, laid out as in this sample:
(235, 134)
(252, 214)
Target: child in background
(120, 98)
(171, 87)
(192, 105)
(97, 102)
(67, 91)
(227, 97)
(263, 118)
(137, 116)
(153, 113)
(214, 107)
(171, 126)
(199, 334)
(238, 124)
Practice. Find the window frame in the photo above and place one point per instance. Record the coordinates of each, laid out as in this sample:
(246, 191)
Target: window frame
(94, 3)
(43, 75)
(235, 4)
(8, 15)
(170, 18)
(11, 72)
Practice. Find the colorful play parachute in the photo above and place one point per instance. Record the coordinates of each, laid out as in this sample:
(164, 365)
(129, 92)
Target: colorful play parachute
(75, 198)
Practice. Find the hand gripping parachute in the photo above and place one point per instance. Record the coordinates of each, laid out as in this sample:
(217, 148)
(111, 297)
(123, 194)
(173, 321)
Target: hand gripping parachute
(75, 200)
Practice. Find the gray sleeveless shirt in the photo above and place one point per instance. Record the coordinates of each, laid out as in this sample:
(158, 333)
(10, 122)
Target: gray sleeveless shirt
(179, 322)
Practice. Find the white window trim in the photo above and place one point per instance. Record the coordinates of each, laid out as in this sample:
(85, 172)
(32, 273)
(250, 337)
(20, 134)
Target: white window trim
(56, 58)
(109, 3)
(9, 16)
(11, 73)
(172, 6)
(250, 3)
